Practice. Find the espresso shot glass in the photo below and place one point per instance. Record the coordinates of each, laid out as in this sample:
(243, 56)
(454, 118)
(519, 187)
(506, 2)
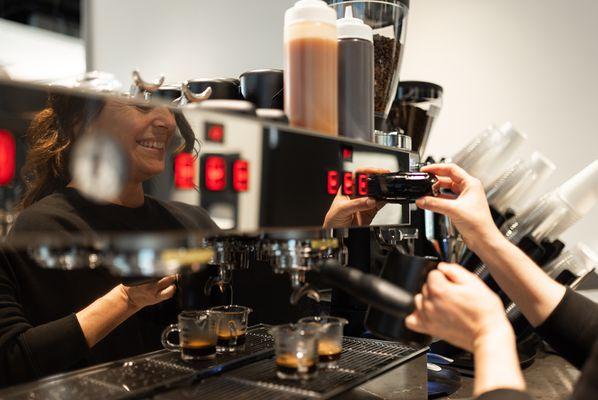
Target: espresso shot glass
(231, 327)
(197, 335)
(296, 351)
(330, 342)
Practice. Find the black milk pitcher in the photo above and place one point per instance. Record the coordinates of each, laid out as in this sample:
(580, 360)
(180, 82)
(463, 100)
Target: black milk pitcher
(409, 273)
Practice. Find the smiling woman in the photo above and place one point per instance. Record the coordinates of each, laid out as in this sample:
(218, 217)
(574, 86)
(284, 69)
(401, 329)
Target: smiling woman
(144, 133)
(51, 321)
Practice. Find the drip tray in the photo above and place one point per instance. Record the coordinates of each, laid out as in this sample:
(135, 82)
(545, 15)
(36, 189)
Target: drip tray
(142, 375)
(362, 360)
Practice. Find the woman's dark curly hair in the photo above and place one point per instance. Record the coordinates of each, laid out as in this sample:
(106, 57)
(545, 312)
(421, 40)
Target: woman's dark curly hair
(50, 139)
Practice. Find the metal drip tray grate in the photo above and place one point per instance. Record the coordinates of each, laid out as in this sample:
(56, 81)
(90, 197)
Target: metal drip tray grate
(228, 389)
(362, 359)
(141, 375)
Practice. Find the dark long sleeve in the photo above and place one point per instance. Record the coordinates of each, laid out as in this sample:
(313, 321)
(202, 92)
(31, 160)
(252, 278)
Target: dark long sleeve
(572, 328)
(504, 394)
(27, 351)
(39, 332)
(587, 386)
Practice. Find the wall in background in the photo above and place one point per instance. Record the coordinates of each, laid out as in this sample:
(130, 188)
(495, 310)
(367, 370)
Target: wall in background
(532, 62)
(186, 39)
(34, 54)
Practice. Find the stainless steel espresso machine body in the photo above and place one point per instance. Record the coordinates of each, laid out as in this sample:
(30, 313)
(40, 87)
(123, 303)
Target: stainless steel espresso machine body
(270, 189)
(254, 174)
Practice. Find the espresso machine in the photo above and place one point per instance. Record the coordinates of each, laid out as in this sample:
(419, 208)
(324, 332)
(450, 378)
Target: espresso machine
(269, 188)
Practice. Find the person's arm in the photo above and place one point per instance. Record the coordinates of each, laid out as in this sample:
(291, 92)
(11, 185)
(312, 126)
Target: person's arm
(572, 328)
(26, 351)
(534, 292)
(567, 320)
(504, 394)
(29, 351)
(495, 361)
(456, 306)
(106, 313)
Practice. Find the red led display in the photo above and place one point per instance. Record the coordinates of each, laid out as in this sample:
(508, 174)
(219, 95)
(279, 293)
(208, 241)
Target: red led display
(348, 184)
(333, 182)
(7, 157)
(362, 184)
(214, 133)
(184, 173)
(241, 175)
(215, 173)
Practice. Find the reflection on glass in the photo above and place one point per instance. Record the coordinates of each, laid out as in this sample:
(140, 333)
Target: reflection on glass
(347, 212)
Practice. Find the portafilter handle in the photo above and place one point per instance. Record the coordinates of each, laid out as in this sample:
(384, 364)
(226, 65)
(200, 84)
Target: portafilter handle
(368, 288)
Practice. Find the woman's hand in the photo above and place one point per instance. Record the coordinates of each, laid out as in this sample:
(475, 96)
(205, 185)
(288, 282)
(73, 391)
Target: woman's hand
(149, 293)
(346, 212)
(103, 315)
(456, 306)
(468, 211)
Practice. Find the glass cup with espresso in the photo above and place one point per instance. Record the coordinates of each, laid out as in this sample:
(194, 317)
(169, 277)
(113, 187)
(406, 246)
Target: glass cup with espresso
(197, 335)
(330, 342)
(231, 327)
(296, 350)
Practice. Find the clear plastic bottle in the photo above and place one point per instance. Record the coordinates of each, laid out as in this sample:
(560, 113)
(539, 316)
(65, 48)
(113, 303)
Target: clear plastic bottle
(311, 66)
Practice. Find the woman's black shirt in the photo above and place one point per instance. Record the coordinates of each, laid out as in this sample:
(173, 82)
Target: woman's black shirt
(39, 333)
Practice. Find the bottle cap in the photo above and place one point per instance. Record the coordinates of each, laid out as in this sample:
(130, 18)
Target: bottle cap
(310, 10)
(580, 192)
(350, 27)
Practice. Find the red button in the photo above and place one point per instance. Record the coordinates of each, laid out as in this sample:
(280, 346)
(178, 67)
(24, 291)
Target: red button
(241, 175)
(7, 157)
(347, 153)
(215, 177)
(215, 133)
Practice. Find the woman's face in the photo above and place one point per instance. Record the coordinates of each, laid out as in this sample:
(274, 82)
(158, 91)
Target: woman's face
(145, 133)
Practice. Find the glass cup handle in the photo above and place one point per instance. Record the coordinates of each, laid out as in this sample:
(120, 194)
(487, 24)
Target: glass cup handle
(168, 345)
(232, 328)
